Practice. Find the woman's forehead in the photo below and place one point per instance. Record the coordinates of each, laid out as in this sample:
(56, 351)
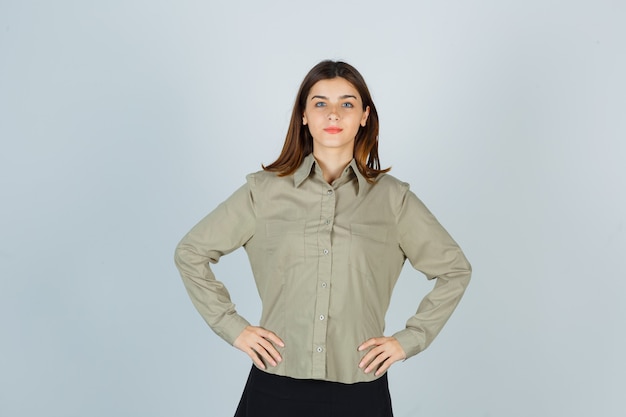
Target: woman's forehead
(334, 87)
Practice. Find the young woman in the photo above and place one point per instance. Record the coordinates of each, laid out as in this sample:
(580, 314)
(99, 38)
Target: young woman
(327, 232)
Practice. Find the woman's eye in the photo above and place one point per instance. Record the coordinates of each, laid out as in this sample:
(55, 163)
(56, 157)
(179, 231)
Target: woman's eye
(348, 105)
(320, 104)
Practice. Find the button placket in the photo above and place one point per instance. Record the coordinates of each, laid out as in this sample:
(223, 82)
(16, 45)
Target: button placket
(320, 327)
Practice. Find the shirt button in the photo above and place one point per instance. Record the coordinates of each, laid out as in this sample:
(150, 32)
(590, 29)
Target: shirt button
(319, 349)
(324, 285)
(325, 251)
(329, 192)
(327, 221)
(322, 317)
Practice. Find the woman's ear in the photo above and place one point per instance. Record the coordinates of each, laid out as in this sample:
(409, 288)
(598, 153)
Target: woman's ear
(366, 114)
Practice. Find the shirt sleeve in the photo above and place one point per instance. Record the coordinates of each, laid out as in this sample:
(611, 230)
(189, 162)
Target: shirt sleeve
(225, 229)
(431, 250)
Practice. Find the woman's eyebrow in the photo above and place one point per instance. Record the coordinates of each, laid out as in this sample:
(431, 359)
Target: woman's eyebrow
(341, 97)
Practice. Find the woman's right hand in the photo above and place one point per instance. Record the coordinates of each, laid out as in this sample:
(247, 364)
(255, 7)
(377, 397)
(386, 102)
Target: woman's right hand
(258, 343)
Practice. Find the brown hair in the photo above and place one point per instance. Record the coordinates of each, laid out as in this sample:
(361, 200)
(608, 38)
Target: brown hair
(299, 142)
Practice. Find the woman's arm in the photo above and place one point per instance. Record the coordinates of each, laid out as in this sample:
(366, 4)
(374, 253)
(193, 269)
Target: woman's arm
(225, 229)
(431, 250)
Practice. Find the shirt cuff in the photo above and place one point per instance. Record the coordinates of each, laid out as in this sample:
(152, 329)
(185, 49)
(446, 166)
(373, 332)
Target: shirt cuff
(412, 341)
(232, 327)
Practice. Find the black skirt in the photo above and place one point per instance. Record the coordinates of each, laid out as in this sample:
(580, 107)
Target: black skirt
(268, 395)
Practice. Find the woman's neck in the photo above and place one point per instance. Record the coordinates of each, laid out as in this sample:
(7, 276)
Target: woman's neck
(332, 164)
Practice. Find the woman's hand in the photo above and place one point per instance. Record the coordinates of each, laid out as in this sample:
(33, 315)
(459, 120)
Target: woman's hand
(256, 342)
(385, 351)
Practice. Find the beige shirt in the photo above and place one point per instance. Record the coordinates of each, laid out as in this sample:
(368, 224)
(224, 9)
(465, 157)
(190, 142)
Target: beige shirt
(325, 258)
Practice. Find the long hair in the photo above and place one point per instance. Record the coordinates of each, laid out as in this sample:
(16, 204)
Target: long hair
(299, 142)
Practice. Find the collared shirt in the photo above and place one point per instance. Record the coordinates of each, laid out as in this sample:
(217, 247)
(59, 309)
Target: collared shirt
(325, 258)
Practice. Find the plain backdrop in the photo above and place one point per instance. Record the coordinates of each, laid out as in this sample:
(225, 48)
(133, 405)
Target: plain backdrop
(122, 123)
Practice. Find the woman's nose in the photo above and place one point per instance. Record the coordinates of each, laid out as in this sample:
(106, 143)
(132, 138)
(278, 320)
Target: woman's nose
(333, 114)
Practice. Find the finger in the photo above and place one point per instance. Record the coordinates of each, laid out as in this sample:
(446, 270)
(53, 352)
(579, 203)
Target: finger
(255, 358)
(271, 349)
(275, 354)
(376, 362)
(369, 357)
(269, 352)
(268, 335)
(368, 343)
(394, 357)
(271, 336)
(264, 349)
(384, 366)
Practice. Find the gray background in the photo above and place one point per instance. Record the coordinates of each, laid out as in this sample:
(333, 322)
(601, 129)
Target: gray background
(122, 123)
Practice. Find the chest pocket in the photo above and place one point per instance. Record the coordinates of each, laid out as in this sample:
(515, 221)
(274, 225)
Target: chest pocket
(375, 233)
(284, 243)
(367, 247)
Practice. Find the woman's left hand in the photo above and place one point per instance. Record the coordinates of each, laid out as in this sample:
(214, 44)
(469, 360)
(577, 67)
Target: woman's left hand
(385, 351)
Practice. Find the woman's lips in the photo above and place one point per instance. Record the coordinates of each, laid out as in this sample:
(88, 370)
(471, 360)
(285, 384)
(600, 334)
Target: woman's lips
(333, 129)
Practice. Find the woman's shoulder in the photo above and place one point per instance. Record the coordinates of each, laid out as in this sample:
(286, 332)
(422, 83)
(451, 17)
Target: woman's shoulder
(392, 184)
(263, 179)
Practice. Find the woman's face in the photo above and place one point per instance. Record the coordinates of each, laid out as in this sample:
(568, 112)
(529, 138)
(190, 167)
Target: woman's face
(334, 112)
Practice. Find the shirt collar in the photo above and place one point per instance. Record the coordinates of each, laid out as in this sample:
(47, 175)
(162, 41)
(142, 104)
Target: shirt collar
(304, 171)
